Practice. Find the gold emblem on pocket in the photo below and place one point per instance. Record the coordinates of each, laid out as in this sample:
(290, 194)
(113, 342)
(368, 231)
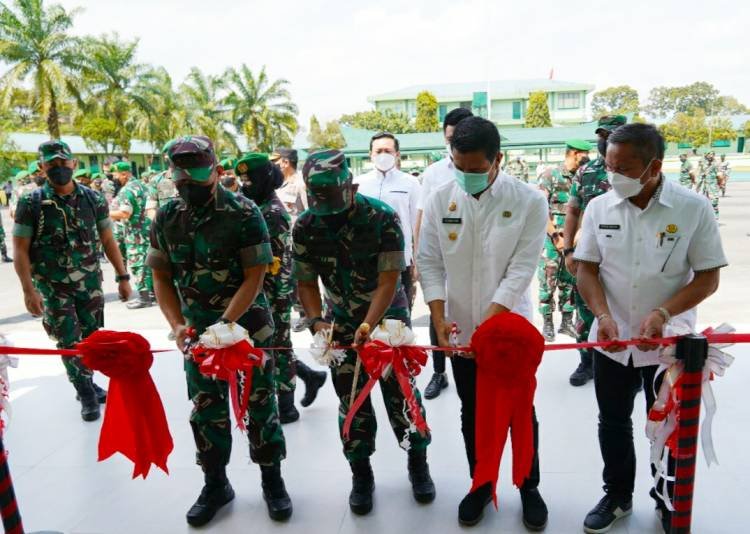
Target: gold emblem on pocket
(452, 206)
(453, 236)
(672, 228)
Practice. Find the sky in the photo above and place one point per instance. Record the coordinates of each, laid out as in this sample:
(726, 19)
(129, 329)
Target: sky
(336, 53)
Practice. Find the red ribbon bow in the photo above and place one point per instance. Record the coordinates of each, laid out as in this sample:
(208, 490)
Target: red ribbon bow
(508, 350)
(224, 364)
(406, 362)
(134, 422)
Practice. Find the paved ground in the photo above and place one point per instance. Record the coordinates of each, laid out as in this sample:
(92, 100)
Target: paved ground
(61, 487)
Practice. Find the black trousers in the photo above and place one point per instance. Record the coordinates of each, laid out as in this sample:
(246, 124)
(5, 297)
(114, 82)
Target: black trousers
(616, 387)
(438, 356)
(408, 282)
(465, 376)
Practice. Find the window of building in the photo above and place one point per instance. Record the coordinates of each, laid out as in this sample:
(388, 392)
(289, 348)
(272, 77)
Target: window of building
(466, 105)
(568, 100)
(517, 110)
(442, 111)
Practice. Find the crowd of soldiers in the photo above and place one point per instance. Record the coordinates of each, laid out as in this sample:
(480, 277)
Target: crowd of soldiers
(709, 180)
(240, 241)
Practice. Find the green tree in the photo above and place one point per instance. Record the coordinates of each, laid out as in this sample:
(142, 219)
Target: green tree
(537, 116)
(205, 112)
(99, 133)
(618, 100)
(427, 113)
(746, 130)
(384, 121)
(729, 105)
(687, 128)
(667, 101)
(721, 129)
(34, 41)
(168, 116)
(261, 109)
(328, 137)
(10, 158)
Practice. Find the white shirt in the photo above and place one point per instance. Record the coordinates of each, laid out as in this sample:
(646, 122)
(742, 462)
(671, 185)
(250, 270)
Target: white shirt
(401, 192)
(291, 190)
(646, 256)
(435, 175)
(475, 252)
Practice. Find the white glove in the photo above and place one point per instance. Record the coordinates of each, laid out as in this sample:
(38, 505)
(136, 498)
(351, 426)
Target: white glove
(221, 335)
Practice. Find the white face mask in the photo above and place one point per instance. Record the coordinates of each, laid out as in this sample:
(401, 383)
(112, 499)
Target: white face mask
(624, 186)
(384, 161)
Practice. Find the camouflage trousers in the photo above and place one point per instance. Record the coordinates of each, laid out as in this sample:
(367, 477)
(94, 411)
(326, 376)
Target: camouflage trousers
(686, 182)
(119, 236)
(71, 314)
(3, 248)
(212, 426)
(553, 276)
(285, 374)
(142, 276)
(361, 442)
(710, 188)
(584, 321)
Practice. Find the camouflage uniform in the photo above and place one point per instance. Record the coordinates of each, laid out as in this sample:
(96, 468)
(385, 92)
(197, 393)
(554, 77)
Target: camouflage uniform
(556, 184)
(686, 169)
(348, 262)
(519, 169)
(161, 190)
(589, 182)
(277, 286)
(3, 247)
(206, 251)
(708, 184)
(65, 265)
(132, 198)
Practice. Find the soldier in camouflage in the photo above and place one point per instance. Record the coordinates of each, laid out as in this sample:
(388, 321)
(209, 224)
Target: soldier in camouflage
(211, 248)
(687, 176)
(56, 233)
(355, 246)
(708, 183)
(517, 167)
(556, 184)
(590, 181)
(723, 176)
(160, 191)
(131, 211)
(260, 178)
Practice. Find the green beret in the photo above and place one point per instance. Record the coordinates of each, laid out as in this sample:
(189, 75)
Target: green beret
(56, 149)
(578, 144)
(325, 168)
(611, 122)
(21, 175)
(228, 163)
(33, 167)
(122, 166)
(250, 162)
(81, 172)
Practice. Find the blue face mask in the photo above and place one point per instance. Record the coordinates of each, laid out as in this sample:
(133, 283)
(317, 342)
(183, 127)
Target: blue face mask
(473, 182)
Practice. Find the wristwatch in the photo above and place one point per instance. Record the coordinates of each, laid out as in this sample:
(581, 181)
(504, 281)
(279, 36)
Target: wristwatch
(567, 251)
(122, 277)
(312, 322)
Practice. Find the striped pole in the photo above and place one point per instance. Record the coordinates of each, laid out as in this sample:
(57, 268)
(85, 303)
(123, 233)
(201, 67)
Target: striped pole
(8, 505)
(693, 349)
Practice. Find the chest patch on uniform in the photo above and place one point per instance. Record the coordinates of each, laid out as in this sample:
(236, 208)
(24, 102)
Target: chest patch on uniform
(402, 192)
(453, 236)
(452, 206)
(507, 214)
(452, 220)
(609, 227)
(672, 228)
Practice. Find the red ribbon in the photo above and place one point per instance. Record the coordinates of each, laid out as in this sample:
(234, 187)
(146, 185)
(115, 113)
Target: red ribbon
(508, 350)
(134, 422)
(224, 364)
(406, 362)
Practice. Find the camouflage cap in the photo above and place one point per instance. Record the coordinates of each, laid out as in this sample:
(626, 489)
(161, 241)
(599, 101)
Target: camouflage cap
(122, 166)
(166, 146)
(611, 122)
(82, 172)
(326, 168)
(250, 162)
(56, 149)
(578, 144)
(191, 158)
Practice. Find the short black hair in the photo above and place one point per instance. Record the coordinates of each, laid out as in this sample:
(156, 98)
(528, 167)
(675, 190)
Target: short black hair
(384, 135)
(456, 116)
(645, 138)
(476, 133)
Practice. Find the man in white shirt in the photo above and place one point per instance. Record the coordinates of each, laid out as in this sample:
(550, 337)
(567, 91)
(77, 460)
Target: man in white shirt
(396, 189)
(437, 174)
(480, 244)
(649, 253)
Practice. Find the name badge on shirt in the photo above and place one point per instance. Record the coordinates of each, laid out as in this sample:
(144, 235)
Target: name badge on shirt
(452, 220)
(403, 192)
(609, 227)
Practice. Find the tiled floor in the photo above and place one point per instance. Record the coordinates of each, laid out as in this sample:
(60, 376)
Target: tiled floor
(61, 487)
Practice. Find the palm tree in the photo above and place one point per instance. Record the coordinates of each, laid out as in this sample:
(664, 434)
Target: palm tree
(116, 86)
(169, 117)
(260, 108)
(207, 115)
(35, 42)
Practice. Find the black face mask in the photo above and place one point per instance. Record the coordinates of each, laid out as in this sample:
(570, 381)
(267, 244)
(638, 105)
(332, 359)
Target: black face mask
(39, 180)
(583, 161)
(601, 145)
(60, 175)
(195, 195)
